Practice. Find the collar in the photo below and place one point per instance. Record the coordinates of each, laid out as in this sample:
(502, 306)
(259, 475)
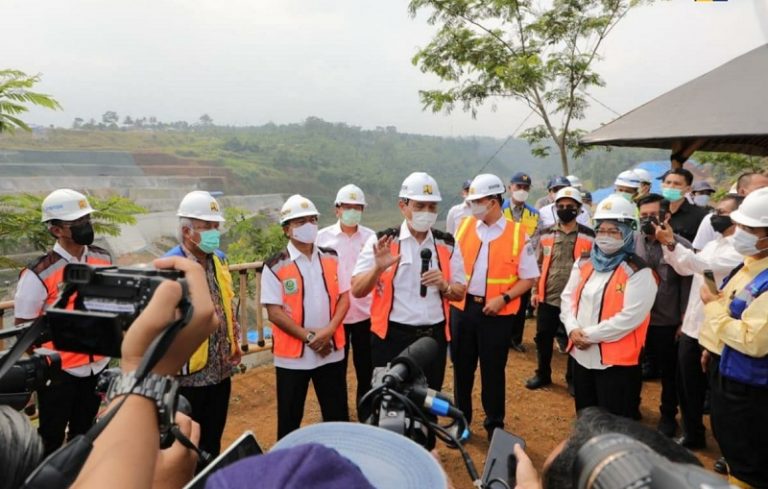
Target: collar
(336, 229)
(188, 254)
(755, 265)
(295, 254)
(405, 233)
(65, 254)
(559, 227)
(501, 223)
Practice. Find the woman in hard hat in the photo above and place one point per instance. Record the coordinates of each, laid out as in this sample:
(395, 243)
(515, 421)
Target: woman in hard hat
(605, 308)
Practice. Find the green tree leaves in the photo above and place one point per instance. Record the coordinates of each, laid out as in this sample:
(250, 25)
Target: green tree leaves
(16, 96)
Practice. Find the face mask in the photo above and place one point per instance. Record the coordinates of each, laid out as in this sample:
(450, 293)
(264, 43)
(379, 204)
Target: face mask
(701, 200)
(351, 217)
(646, 225)
(745, 243)
(82, 234)
(672, 194)
(209, 241)
(627, 196)
(567, 215)
(520, 195)
(608, 244)
(479, 211)
(422, 221)
(720, 223)
(306, 233)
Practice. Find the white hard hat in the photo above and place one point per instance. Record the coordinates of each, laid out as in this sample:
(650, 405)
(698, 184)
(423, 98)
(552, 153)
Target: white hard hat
(569, 193)
(643, 175)
(753, 211)
(485, 185)
(350, 194)
(628, 178)
(297, 206)
(617, 208)
(65, 205)
(575, 181)
(420, 186)
(199, 204)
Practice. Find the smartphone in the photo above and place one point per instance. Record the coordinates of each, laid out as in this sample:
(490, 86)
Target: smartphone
(243, 447)
(709, 279)
(501, 462)
(663, 211)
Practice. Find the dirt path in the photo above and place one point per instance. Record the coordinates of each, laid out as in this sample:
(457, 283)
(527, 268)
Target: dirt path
(542, 418)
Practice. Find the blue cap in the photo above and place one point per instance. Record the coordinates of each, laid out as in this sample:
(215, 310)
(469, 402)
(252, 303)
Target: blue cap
(520, 178)
(558, 182)
(466, 184)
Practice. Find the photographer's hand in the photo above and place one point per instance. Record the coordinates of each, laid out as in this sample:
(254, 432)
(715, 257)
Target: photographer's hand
(176, 464)
(525, 475)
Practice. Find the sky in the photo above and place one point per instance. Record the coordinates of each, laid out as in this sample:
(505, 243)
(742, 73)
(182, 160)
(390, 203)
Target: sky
(250, 62)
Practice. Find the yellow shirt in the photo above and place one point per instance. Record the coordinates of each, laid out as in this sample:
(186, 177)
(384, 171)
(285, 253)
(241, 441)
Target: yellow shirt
(749, 335)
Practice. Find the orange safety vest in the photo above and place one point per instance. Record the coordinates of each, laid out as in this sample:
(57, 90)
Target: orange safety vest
(503, 260)
(581, 249)
(49, 268)
(383, 291)
(626, 350)
(286, 270)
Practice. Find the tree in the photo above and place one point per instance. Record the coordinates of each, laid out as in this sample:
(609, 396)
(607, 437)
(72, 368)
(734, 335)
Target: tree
(128, 121)
(77, 123)
(15, 96)
(251, 239)
(110, 118)
(519, 49)
(729, 165)
(206, 120)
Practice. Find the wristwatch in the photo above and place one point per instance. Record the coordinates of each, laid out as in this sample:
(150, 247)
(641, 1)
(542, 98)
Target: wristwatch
(671, 245)
(507, 299)
(310, 336)
(162, 390)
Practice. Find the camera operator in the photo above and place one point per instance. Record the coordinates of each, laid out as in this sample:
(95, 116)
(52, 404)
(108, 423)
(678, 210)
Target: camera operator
(69, 401)
(21, 448)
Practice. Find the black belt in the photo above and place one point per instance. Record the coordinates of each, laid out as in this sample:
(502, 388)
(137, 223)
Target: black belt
(416, 331)
(476, 299)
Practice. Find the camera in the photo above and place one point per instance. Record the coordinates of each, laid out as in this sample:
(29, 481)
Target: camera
(614, 461)
(98, 304)
(26, 376)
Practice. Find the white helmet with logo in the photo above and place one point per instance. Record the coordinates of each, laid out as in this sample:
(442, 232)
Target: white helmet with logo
(752, 211)
(199, 204)
(297, 206)
(420, 186)
(643, 175)
(628, 178)
(484, 185)
(615, 207)
(65, 205)
(350, 194)
(575, 181)
(569, 193)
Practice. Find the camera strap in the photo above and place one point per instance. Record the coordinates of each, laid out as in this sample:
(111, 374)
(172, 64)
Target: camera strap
(25, 340)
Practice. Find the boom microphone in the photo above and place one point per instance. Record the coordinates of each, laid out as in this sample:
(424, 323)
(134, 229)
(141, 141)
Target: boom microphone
(411, 362)
(426, 257)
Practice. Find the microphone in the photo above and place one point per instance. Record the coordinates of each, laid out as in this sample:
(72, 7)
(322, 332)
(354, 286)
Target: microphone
(411, 362)
(436, 402)
(426, 256)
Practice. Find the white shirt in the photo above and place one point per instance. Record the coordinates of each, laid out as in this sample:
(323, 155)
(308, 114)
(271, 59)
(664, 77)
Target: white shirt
(528, 267)
(705, 234)
(408, 307)
(548, 216)
(718, 256)
(639, 296)
(317, 310)
(29, 303)
(455, 215)
(348, 248)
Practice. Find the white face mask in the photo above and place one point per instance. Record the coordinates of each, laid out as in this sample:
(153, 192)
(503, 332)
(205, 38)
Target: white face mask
(609, 245)
(520, 195)
(479, 211)
(745, 243)
(701, 200)
(306, 233)
(422, 221)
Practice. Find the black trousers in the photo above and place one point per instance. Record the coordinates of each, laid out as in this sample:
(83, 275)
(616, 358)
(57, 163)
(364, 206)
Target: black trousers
(359, 339)
(475, 336)
(518, 319)
(210, 404)
(662, 345)
(691, 386)
(740, 424)
(547, 326)
(330, 383)
(400, 336)
(68, 404)
(613, 389)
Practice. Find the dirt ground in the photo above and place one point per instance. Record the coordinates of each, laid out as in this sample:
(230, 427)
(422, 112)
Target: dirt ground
(542, 418)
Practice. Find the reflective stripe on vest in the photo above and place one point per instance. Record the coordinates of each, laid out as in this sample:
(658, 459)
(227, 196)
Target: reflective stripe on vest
(503, 260)
(581, 248)
(529, 219)
(283, 344)
(383, 291)
(51, 278)
(626, 350)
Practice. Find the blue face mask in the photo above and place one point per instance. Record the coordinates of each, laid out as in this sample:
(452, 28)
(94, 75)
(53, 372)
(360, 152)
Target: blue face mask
(209, 241)
(672, 194)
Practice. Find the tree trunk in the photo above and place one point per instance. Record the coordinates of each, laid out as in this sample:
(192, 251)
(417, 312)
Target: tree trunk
(563, 158)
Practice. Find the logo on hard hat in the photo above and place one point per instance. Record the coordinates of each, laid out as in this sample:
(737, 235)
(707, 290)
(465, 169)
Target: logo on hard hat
(427, 190)
(214, 206)
(606, 206)
(471, 190)
(304, 205)
(526, 178)
(83, 204)
(353, 196)
(568, 193)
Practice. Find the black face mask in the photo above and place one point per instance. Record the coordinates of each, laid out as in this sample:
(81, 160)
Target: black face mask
(646, 225)
(720, 223)
(567, 215)
(82, 234)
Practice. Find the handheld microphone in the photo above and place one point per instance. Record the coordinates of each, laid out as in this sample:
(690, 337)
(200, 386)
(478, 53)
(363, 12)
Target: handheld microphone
(411, 362)
(426, 257)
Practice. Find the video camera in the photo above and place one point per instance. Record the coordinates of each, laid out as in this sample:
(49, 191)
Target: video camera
(26, 376)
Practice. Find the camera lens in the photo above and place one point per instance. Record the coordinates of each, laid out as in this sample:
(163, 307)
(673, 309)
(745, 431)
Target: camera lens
(613, 461)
